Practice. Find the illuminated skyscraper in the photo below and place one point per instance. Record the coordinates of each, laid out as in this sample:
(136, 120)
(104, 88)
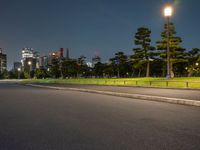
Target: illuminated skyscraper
(28, 54)
(3, 61)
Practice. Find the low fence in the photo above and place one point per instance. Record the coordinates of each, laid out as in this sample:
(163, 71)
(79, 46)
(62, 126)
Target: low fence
(167, 83)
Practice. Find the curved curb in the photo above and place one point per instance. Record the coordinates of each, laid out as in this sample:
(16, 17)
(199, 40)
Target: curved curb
(136, 96)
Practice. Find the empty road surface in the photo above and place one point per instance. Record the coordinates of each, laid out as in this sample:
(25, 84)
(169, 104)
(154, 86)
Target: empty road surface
(44, 119)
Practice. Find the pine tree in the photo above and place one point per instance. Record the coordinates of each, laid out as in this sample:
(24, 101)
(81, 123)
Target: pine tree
(145, 53)
(119, 63)
(193, 57)
(177, 53)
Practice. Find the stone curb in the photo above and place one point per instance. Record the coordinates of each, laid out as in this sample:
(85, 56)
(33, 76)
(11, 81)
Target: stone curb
(136, 96)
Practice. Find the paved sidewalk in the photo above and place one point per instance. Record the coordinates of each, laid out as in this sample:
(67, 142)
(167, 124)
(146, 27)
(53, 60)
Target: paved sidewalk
(169, 93)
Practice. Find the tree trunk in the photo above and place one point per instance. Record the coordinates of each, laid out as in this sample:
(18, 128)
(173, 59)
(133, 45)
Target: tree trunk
(139, 73)
(190, 72)
(171, 69)
(163, 71)
(148, 68)
(118, 74)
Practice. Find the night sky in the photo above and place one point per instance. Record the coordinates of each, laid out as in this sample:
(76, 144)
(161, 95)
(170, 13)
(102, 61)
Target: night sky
(89, 27)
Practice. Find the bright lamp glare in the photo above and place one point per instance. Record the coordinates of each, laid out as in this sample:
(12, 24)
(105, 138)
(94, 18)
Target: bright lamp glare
(168, 11)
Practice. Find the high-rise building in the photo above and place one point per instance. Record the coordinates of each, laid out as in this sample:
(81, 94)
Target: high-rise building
(56, 55)
(37, 57)
(29, 56)
(17, 65)
(27, 53)
(67, 53)
(43, 62)
(3, 61)
(29, 64)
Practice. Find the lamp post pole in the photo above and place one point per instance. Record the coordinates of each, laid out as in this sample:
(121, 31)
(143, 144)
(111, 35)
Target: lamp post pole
(168, 13)
(168, 51)
(30, 68)
(18, 69)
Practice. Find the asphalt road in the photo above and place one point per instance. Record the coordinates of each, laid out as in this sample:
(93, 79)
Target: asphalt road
(43, 119)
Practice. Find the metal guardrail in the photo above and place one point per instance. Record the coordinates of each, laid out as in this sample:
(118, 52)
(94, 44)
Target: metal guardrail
(186, 84)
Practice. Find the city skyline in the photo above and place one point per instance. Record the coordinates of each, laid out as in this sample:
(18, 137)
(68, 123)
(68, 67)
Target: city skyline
(90, 27)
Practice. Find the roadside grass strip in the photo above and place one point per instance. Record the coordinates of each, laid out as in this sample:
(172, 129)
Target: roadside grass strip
(193, 83)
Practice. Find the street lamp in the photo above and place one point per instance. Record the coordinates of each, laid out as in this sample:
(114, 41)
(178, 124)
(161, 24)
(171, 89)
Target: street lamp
(18, 69)
(30, 63)
(168, 10)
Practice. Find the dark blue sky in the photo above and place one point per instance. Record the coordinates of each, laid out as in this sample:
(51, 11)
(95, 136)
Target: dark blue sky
(90, 26)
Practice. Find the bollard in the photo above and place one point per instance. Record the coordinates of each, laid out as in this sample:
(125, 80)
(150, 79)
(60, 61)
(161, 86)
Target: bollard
(187, 84)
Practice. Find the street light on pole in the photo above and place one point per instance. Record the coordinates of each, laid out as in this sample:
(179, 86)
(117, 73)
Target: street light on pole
(19, 70)
(168, 10)
(30, 63)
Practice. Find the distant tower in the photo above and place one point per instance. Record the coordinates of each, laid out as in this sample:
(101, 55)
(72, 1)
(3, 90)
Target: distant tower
(3, 61)
(61, 52)
(67, 53)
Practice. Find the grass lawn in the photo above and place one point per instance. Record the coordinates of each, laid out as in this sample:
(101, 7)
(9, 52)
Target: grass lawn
(186, 82)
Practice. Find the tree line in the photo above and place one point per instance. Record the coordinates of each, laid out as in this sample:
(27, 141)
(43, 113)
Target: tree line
(146, 61)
